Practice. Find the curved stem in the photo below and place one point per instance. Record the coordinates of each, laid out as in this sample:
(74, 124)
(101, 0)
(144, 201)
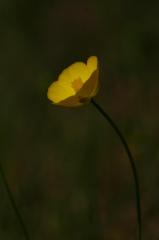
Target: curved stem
(15, 208)
(132, 163)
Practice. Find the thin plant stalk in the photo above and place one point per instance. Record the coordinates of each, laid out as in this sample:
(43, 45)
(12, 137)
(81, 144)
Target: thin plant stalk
(132, 163)
(13, 203)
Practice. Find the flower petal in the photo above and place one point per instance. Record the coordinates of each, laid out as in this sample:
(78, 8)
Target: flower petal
(58, 92)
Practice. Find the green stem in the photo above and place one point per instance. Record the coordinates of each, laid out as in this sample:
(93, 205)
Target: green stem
(15, 208)
(132, 163)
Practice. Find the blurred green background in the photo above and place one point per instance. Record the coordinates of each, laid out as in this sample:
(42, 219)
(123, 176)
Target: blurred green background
(67, 169)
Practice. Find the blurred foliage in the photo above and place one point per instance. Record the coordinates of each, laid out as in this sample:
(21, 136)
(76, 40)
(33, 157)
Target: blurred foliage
(67, 169)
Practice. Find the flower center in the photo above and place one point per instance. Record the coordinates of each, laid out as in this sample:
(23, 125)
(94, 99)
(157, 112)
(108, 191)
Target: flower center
(77, 84)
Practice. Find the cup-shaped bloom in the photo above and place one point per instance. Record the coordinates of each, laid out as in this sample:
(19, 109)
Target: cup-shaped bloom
(76, 84)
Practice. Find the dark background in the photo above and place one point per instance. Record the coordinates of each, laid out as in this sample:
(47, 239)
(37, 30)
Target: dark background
(67, 169)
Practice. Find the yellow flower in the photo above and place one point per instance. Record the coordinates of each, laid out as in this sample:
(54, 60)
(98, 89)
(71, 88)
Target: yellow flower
(76, 85)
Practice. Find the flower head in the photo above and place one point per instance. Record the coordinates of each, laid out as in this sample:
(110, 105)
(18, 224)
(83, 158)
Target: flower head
(76, 84)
